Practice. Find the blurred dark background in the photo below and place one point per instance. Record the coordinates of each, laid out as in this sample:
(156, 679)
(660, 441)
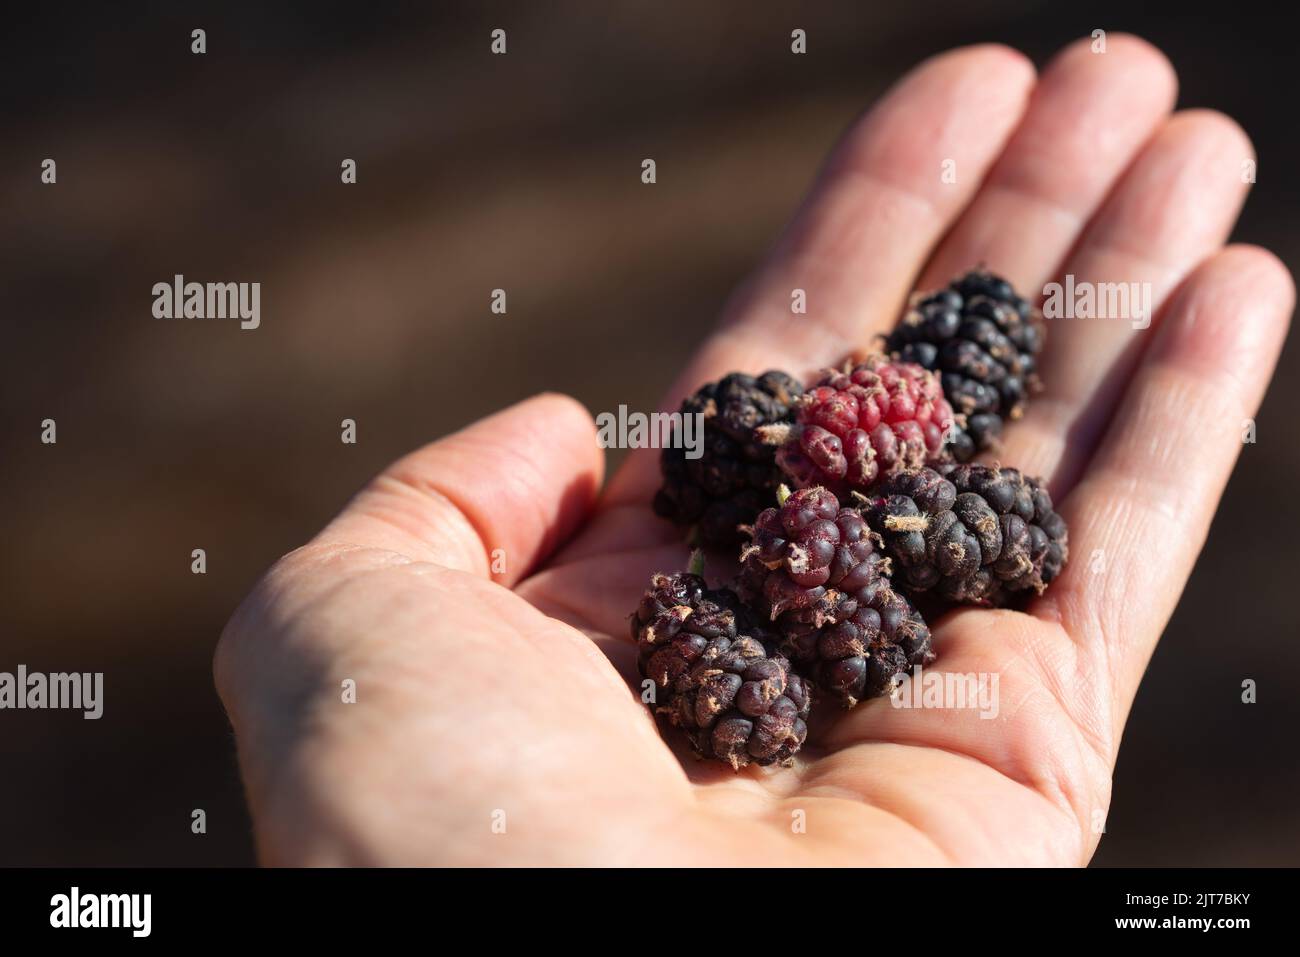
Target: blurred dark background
(478, 172)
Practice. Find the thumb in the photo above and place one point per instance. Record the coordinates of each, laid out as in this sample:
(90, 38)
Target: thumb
(494, 499)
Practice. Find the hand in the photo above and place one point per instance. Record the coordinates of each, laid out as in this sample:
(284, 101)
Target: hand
(501, 695)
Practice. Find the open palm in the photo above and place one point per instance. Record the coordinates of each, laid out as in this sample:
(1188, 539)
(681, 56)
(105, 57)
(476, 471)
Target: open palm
(477, 592)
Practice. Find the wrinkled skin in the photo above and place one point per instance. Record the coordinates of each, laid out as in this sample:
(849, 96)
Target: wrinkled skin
(503, 698)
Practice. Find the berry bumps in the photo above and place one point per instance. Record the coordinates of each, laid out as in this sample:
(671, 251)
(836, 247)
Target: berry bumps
(814, 570)
(974, 535)
(983, 340)
(736, 701)
(888, 509)
(857, 425)
(736, 476)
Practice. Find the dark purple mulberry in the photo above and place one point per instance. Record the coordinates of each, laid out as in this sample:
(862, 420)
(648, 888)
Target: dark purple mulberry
(983, 340)
(814, 570)
(735, 699)
(973, 534)
(736, 477)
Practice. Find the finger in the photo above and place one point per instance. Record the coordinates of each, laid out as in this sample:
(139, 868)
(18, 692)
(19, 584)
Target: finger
(871, 219)
(878, 207)
(1089, 116)
(1174, 207)
(1140, 515)
(493, 499)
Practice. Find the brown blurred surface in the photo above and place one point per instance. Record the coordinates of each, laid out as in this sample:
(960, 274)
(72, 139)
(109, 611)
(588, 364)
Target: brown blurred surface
(476, 172)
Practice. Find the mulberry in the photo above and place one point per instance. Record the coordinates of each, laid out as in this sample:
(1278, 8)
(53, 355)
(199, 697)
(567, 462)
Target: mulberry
(736, 701)
(856, 425)
(814, 570)
(974, 534)
(736, 476)
(983, 341)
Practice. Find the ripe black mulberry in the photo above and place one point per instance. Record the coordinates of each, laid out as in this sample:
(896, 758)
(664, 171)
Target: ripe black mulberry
(736, 700)
(973, 534)
(983, 340)
(736, 477)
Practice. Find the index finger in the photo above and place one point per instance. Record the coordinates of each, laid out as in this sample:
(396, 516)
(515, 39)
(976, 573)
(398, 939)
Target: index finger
(889, 191)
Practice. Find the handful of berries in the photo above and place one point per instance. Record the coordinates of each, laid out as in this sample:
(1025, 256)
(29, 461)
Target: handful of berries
(885, 507)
